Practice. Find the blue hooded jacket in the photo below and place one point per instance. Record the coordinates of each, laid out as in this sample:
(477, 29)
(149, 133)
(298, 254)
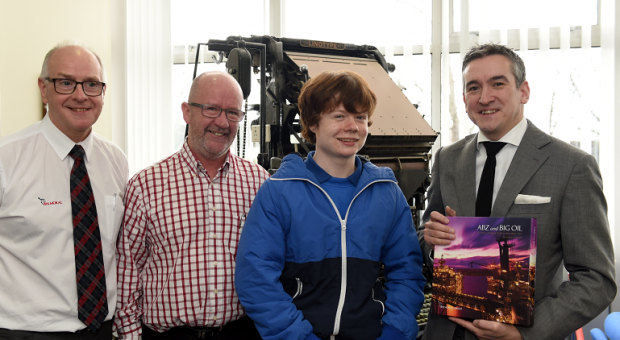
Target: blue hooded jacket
(303, 271)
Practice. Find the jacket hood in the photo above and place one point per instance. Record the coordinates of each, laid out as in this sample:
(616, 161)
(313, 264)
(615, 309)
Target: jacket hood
(293, 166)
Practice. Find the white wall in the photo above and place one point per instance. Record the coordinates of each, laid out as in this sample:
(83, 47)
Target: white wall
(30, 28)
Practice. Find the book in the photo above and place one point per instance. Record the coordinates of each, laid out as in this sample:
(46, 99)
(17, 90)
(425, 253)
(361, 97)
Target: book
(488, 271)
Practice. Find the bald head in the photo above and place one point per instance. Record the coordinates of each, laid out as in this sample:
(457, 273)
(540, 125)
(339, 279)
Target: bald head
(75, 48)
(209, 80)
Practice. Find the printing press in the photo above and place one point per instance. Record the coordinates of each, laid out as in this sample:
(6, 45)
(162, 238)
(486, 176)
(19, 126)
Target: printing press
(399, 137)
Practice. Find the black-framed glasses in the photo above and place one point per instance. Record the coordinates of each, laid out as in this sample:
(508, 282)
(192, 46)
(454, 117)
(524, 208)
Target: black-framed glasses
(67, 86)
(213, 111)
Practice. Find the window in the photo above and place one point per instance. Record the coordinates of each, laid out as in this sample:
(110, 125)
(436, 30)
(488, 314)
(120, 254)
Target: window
(563, 100)
(197, 21)
(487, 14)
(360, 22)
(413, 75)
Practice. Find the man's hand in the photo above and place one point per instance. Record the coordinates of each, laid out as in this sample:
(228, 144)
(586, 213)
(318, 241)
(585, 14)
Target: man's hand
(437, 231)
(487, 330)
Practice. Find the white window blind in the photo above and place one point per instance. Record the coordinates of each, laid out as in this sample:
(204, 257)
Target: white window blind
(148, 82)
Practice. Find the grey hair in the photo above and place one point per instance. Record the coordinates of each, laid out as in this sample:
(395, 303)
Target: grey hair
(485, 50)
(65, 43)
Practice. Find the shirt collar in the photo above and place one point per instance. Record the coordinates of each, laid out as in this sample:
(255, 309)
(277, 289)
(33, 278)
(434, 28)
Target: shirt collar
(60, 142)
(323, 176)
(514, 136)
(195, 166)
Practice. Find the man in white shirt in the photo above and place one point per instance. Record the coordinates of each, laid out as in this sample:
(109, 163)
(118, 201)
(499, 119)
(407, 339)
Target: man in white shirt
(52, 236)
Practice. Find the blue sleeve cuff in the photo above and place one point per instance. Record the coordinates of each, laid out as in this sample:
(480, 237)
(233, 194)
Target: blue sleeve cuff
(311, 336)
(391, 333)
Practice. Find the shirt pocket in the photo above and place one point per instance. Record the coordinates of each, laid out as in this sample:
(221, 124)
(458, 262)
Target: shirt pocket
(114, 210)
(530, 210)
(234, 240)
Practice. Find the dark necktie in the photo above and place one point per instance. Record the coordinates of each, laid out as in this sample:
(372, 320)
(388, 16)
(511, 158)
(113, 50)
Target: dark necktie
(484, 201)
(90, 272)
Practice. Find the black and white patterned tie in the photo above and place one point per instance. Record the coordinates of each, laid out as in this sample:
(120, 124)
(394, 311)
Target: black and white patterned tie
(90, 271)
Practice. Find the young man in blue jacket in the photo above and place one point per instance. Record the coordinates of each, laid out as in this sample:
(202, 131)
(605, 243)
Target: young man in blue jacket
(318, 231)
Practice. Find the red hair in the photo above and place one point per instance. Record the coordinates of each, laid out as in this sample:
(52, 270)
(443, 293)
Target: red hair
(327, 91)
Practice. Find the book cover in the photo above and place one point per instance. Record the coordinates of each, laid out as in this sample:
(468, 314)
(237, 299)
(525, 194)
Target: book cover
(488, 271)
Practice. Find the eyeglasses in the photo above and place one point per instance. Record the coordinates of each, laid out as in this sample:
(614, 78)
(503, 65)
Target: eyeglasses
(213, 111)
(67, 86)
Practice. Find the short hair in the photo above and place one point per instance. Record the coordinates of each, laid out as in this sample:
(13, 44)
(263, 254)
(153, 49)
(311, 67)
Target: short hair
(485, 50)
(327, 91)
(44, 69)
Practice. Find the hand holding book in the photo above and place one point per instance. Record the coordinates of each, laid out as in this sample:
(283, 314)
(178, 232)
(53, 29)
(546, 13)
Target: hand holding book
(437, 231)
(484, 329)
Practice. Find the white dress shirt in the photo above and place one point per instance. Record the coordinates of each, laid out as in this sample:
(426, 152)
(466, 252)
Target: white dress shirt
(503, 158)
(37, 263)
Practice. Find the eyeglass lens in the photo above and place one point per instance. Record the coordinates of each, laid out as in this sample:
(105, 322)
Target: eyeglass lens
(214, 111)
(67, 86)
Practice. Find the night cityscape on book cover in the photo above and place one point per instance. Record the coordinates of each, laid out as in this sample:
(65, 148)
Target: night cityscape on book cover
(488, 271)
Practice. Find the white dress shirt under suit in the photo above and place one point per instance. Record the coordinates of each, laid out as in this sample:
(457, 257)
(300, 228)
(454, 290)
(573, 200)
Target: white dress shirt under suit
(37, 263)
(504, 156)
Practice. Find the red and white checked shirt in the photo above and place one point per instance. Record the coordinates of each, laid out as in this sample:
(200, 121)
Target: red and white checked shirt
(177, 250)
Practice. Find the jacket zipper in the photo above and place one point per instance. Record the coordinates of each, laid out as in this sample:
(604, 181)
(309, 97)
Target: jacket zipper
(343, 244)
(300, 287)
(379, 301)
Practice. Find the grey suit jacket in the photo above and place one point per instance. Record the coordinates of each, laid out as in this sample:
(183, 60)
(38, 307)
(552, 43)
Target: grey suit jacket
(572, 229)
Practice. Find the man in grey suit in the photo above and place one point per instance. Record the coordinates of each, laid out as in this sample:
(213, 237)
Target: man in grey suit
(536, 176)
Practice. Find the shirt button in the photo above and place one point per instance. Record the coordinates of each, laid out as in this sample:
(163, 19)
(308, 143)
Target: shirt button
(214, 235)
(214, 209)
(215, 318)
(215, 263)
(215, 291)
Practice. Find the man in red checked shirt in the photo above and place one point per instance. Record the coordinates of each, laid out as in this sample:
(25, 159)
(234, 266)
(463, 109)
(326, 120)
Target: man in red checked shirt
(182, 223)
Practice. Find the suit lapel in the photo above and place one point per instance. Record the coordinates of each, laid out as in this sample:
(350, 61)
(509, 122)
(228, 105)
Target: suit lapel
(528, 158)
(465, 177)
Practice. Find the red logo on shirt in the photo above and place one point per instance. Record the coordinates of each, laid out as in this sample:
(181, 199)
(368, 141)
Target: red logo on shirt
(43, 202)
